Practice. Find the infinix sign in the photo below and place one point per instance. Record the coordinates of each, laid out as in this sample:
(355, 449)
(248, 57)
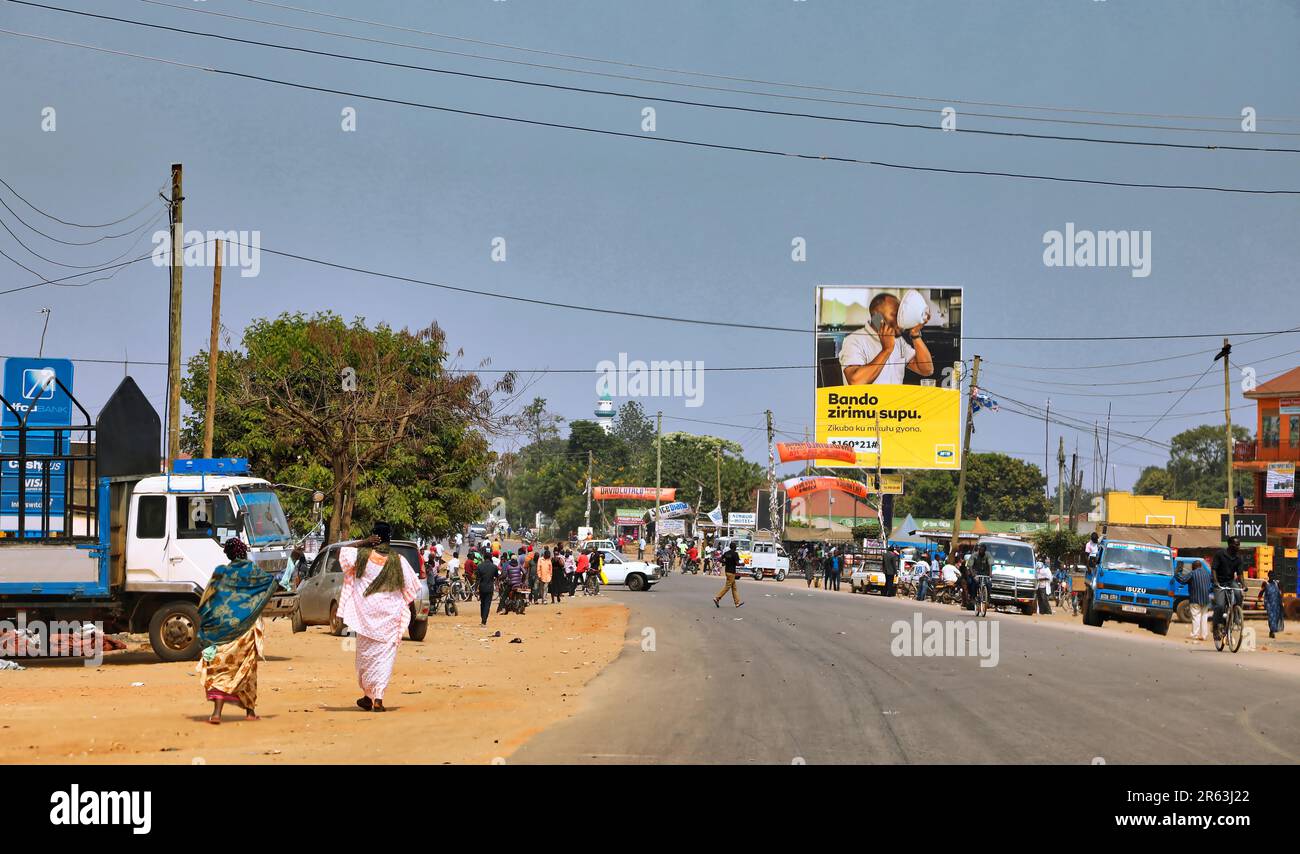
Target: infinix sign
(1249, 528)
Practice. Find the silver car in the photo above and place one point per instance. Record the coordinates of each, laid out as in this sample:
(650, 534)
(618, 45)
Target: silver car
(318, 593)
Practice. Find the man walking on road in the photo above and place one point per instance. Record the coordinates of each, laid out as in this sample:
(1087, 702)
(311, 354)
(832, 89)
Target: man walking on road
(730, 563)
(487, 574)
(1198, 597)
(890, 562)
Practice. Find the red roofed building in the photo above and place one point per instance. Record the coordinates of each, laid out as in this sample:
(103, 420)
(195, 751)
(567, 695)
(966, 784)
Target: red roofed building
(1277, 441)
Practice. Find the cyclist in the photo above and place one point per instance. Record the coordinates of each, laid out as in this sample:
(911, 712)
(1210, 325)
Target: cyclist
(1227, 573)
(981, 568)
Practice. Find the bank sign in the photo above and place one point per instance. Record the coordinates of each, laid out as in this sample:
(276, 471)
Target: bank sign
(31, 388)
(1249, 528)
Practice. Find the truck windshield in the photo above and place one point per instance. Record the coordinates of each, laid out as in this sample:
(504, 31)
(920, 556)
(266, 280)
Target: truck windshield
(1135, 558)
(266, 522)
(1010, 555)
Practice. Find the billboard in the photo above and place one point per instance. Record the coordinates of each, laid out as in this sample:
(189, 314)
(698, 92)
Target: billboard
(889, 375)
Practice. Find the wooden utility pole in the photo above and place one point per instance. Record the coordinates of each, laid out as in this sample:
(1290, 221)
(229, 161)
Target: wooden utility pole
(174, 322)
(965, 452)
(659, 463)
(588, 489)
(1076, 480)
(210, 416)
(718, 468)
(1047, 431)
(1227, 436)
(771, 481)
(1060, 481)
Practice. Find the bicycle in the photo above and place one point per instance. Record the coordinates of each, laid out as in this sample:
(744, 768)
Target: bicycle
(591, 584)
(1229, 625)
(982, 596)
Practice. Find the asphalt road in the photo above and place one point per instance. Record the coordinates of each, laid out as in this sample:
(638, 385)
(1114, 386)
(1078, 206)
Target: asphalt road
(800, 675)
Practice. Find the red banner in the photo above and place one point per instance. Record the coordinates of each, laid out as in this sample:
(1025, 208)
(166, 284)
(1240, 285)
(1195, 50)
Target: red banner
(797, 487)
(632, 493)
(791, 451)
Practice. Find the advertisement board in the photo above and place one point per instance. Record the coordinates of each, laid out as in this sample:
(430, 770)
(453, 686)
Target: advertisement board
(1281, 480)
(1248, 528)
(672, 527)
(742, 520)
(631, 493)
(30, 387)
(889, 375)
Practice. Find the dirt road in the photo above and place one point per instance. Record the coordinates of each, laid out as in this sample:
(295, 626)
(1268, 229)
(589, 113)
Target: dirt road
(460, 696)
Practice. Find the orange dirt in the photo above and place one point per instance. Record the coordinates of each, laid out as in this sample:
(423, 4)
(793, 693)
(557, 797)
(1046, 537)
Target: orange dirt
(460, 696)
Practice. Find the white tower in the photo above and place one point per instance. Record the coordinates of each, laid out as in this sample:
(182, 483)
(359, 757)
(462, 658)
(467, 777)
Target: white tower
(605, 412)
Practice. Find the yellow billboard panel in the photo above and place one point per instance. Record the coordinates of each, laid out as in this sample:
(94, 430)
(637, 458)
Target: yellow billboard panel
(894, 427)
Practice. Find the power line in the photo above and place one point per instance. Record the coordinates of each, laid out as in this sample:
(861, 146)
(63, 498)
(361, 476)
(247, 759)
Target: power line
(665, 139)
(738, 79)
(657, 98)
(141, 231)
(68, 222)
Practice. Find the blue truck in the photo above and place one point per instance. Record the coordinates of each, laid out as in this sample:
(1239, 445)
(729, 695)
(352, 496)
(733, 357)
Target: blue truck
(1132, 583)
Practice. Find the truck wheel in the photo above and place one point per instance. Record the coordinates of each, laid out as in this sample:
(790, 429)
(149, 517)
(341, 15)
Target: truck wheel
(418, 629)
(174, 631)
(337, 628)
(1183, 611)
(636, 582)
(299, 625)
(1090, 617)
(757, 574)
(780, 575)
(1160, 627)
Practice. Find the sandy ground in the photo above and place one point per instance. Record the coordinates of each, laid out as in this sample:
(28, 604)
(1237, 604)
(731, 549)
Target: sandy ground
(460, 696)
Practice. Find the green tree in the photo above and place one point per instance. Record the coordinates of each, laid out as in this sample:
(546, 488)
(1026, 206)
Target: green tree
(997, 487)
(1053, 545)
(1154, 480)
(370, 416)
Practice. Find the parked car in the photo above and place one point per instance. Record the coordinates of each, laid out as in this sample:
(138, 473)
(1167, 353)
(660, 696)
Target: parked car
(636, 574)
(1015, 574)
(318, 594)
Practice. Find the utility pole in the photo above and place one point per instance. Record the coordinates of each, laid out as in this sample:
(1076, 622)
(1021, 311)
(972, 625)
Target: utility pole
(210, 416)
(1047, 429)
(718, 468)
(1075, 475)
(588, 516)
(174, 322)
(771, 481)
(1227, 435)
(965, 452)
(1060, 482)
(659, 462)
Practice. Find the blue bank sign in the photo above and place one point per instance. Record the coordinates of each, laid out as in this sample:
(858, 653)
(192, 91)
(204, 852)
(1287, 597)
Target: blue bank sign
(31, 389)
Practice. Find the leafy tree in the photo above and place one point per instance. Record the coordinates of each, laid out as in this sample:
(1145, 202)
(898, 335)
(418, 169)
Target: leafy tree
(635, 429)
(997, 487)
(1154, 480)
(539, 423)
(370, 416)
(1053, 545)
(867, 531)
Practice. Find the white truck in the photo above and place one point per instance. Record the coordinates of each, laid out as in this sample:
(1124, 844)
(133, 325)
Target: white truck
(133, 549)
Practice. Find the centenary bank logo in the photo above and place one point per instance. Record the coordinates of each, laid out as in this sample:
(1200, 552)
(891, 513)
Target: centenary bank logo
(54, 639)
(241, 250)
(74, 807)
(946, 638)
(638, 378)
(1083, 248)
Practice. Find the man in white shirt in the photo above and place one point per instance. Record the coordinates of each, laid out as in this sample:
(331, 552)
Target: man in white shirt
(878, 352)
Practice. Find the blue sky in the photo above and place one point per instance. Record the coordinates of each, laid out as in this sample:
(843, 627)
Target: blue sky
(667, 229)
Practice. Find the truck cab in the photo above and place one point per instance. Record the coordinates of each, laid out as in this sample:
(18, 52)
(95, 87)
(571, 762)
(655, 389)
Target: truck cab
(1132, 582)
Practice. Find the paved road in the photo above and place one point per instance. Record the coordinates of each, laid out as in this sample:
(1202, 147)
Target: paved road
(799, 675)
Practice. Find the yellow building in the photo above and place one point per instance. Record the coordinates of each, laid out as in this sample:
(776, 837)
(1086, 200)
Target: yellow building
(1124, 508)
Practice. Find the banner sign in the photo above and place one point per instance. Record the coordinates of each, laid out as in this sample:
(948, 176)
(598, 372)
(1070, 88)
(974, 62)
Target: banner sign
(797, 487)
(629, 516)
(672, 511)
(632, 493)
(1281, 480)
(794, 451)
(672, 527)
(1289, 406)
(30, 387)
(889, 376)
(742, 520)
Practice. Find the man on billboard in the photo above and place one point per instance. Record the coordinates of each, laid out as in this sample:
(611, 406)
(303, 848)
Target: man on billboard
(878, 352)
